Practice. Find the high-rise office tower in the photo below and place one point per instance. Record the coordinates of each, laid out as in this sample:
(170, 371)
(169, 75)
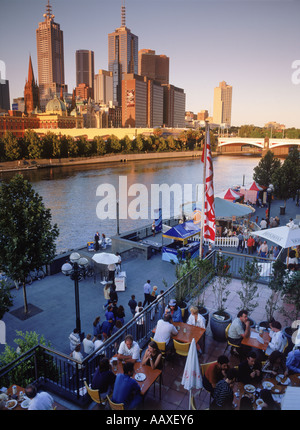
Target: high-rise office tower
(50, 56)
(103, 87)
(122, 56)
(31, 91)
(153, 66)
(85, 70)
(222, 104)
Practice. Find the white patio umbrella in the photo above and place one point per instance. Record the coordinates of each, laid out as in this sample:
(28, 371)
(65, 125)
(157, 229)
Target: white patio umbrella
(105, 258)
(283, 236)
(191, 377)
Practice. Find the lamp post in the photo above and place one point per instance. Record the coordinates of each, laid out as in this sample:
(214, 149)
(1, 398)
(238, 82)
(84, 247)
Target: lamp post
(76, 269)
(270, 191)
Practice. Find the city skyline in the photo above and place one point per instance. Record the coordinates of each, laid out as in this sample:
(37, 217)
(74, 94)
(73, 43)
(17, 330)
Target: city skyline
(249, 44)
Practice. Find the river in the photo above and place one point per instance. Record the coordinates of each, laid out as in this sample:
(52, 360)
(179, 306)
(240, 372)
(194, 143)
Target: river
(71, 192)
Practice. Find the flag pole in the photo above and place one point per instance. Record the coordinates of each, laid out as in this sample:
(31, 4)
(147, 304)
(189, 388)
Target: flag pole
(204, 156)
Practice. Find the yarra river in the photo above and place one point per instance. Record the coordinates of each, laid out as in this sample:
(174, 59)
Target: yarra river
(71, 192)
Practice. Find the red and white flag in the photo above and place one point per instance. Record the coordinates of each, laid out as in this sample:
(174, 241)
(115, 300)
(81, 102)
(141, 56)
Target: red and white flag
(209, 228)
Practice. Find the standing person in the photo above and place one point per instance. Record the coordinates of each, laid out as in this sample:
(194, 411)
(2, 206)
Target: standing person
(96, 327)
(250, 243)
(113, 295)
(241, 241)
(119, 263)
(153, 296)
(120, 314)
(263, 224)
(223, 393)
(106, 292)
(38, 401)
(263, 250)
(88, 344)
(74, 339)
(126, 389)
(103, 241)
(97, 239)
(140, 323)
(98, 342)
(132, 304)
(147, 293)
(111, 272)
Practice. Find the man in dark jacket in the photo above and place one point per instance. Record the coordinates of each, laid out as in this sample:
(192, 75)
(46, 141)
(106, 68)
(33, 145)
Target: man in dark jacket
(250, 369)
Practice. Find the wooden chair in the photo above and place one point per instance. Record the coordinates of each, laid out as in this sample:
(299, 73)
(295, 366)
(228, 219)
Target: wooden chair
(94, 394)
(228, 342)
(115, 406)
(161, 346)
(181, 348)
(203, 368)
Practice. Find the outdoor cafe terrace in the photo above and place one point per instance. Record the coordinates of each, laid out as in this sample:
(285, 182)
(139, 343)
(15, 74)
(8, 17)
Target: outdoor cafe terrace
(57, 373)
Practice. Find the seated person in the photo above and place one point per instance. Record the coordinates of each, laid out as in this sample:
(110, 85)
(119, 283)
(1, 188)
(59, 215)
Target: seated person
(164, 331)
(126, 389)
(239, 329)
(246, 403)
(275, 365)
(41, 401)
(223, 393)
(269, 403)
(129, 350)
(215, 372)
(174, 310)
(277, 338)
(153, 356)
(293, 361)
(195, 318)
(250, 369)
(103, 379)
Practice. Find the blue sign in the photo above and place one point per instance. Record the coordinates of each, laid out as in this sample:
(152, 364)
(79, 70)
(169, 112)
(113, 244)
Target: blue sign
(15, 106)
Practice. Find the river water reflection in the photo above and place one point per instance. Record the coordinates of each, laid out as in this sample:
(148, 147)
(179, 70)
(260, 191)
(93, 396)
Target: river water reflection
(70, 192)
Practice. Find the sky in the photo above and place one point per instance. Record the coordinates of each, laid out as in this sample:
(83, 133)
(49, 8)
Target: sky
(250, 44)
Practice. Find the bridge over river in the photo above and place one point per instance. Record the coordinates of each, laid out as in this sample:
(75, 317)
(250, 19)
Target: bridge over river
(256, 145)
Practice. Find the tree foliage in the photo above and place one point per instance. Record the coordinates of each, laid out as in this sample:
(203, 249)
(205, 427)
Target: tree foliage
(265, 169)
(6, 300)
(27, 238)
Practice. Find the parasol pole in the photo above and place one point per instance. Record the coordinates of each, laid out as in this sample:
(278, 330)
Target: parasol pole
(203, 196)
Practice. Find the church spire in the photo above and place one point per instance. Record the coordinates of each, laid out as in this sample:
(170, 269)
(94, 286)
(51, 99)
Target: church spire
(30, 71)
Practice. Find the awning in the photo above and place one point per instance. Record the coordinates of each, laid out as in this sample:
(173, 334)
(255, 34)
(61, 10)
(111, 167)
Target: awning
(183, 231)
(230, 194)
(284, 236)
(256, 187)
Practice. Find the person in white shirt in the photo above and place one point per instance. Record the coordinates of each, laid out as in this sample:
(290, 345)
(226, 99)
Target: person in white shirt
(88, 344)
(76, 354)
(38, 401)
(263, 224)
(129, 350)
(98, 342)
(164, 330)
(277, 338)
(195, 318)
(74, 339)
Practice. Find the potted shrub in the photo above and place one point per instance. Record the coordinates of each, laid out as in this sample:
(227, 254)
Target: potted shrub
(291, 298)
(275, 284)
(250, 275)
(220, 319)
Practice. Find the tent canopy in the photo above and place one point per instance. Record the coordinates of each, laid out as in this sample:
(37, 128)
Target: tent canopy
(230, 194)
(256, 187)
(284, 236)
(183, 231)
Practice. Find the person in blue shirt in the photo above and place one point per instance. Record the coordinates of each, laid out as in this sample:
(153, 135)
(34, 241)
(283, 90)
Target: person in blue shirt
(174, 310)
(293, 361)
(103, 379)
(126, 389)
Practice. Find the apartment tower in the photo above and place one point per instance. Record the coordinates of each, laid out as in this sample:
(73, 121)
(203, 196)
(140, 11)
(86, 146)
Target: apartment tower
(122, 56)
(222, 104)
(103, 87)
(50, 57)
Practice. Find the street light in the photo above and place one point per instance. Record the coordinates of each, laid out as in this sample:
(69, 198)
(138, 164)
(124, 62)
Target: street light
(270, 191)
(76, 269)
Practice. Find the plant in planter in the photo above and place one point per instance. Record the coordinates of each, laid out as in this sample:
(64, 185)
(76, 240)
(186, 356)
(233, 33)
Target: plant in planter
(220, 318)
(291, 297)
(276, 283)
(250, 275)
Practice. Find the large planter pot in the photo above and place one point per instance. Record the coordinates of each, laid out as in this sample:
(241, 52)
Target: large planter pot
(218, 323)
(205, 313)
(264, 324)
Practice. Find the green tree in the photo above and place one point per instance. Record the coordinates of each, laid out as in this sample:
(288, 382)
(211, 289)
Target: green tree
(263, 172)
(47, 145)
(27, 238)
(6, 300)
(285, 180)
(34, 144)
(11, 146)
(113, 144)
(100, 145)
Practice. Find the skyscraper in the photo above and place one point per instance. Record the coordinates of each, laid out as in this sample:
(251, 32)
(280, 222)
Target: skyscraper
(50, 57)
(122, 56)
(31, 91)
(153, 66)
(222, 104)
(85, 70)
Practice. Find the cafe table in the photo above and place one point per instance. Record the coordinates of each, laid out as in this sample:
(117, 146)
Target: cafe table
(187, 332)
(151, 374)
(277, 389)
(19, 399)
(254, 343)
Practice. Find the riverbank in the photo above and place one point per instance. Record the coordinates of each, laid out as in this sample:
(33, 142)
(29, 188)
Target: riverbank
(19, 165)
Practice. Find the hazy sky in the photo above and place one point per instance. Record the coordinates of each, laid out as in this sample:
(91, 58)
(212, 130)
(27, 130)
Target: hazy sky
(250, 44)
